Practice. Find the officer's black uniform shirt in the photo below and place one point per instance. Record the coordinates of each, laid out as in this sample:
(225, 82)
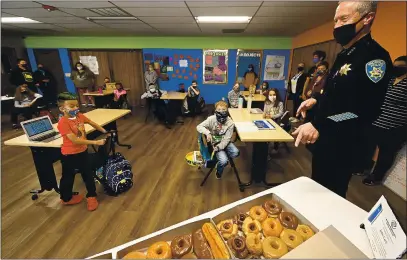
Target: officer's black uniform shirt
(357, 84)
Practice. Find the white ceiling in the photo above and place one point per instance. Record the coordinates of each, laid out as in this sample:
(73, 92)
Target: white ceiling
(270, 18)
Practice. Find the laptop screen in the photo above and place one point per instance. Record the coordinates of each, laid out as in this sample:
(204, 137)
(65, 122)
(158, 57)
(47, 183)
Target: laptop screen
(38, 126)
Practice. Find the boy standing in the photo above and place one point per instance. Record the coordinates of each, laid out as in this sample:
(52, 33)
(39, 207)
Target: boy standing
(192, 99)
(74, 151)
(219, 130)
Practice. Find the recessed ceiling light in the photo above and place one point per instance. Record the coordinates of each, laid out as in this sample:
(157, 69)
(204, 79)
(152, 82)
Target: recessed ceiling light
(17, 20)
(111, 18)
(223, 19)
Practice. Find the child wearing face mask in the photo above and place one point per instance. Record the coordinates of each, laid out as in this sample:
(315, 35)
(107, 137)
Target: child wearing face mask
(218, 130)
(84, 80)
(233, 96)
(24, 103)
(74, 151)
(264, 88)
(273, 107)
(118, 96)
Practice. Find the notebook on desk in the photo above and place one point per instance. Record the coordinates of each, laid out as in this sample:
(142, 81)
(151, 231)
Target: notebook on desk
(40, 129)
(263, 125)
(110, 86)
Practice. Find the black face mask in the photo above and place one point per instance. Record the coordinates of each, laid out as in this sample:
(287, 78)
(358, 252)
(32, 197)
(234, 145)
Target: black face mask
(24, 92)
(24, 66)
(399, 71)
(221, 117)
(300, 69)
(344, 34)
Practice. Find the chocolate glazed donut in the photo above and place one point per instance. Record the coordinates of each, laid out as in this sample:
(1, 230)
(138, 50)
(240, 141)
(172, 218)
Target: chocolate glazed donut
(181, 245)
(238, 246)
(272, 207)
(201, 246)
(239, 218)
(288, 220)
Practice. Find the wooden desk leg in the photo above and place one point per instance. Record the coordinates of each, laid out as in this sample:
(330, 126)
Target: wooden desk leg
(113, 126)
(43, 161)
(259, 167)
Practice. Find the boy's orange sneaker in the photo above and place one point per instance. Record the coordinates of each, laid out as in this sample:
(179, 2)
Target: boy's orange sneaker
(92, 203)
(74, 200)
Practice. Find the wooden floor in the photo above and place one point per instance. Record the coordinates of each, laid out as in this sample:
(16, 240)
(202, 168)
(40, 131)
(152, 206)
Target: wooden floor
(166, 191)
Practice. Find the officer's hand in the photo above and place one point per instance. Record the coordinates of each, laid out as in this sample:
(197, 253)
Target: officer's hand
(209, 138)
(306, 134)
(306, 105)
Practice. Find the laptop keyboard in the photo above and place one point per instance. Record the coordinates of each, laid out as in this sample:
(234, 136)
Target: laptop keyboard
(45, 137)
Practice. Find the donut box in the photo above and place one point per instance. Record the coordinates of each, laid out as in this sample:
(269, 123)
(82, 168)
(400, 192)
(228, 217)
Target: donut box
(230, 217)
(169, 236)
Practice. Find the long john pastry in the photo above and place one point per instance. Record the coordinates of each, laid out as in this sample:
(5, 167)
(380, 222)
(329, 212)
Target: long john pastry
(216, 243)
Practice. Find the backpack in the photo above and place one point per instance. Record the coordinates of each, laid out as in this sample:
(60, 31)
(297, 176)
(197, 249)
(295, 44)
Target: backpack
(111, 168)
(117, 174)
(201, 105)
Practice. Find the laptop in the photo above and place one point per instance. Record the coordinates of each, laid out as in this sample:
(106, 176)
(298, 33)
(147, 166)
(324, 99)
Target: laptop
(40, 129)
(110, 86)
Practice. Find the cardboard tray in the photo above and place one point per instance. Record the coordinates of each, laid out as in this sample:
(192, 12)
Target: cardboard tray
(166, 236)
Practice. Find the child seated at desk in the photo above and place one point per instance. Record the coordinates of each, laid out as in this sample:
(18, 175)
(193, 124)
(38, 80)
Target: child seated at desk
(233, 96)
(192, 97)
(25, 103)
(160, 108)
(119, 95)
(106, 80)
(218, 130)
(74, 151)
(273, 107)
(264, 88)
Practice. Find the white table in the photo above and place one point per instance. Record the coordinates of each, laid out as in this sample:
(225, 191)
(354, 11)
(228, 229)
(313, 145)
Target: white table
(4, 98)
(316, 203)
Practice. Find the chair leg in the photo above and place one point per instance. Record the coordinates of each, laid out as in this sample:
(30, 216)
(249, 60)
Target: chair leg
(232, 164)
(287, 148)
(207, 176)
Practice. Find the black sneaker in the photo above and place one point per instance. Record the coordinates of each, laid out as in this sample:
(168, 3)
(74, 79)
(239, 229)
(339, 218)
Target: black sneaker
(218, 175)
(15, 126)
(369, 182)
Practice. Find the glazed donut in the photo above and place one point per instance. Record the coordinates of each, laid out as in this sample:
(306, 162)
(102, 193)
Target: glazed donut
(305, 231)
(238, 246)
(258, 213)
(189, 256)
(274, 247)
(291, 238)
(253, 243)
(272, 227)
(239, 218)
(288, 220)
(251, 226)
(227, 228)
(159, 250)
(135, 255)
(181, 245)
(272, 207)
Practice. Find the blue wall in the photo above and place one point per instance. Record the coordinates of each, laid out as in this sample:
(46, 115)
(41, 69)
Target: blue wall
(214, 93)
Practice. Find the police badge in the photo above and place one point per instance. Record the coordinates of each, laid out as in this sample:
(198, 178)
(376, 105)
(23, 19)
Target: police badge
(375, 70)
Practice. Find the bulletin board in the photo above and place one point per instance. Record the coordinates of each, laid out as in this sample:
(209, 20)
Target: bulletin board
(161, 64)
(244, 59)
(215, 68)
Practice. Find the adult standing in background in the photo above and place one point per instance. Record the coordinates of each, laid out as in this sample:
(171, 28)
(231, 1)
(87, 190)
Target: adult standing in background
(250, 77)
(84, 80)
(23, 75)
(150, 77)
(296, 86)
(351, 99)
(45, 81)
(389, 129)
(317, 57)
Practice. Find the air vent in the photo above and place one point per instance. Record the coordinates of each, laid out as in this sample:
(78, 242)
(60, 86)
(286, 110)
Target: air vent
(232, 30)
(106, 12)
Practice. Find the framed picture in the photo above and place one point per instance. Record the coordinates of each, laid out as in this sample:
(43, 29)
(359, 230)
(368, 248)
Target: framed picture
(215, 67)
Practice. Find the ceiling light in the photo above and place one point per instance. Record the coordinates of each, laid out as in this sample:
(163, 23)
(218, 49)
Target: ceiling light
(17, 20)
(111, 18)
(223, 19)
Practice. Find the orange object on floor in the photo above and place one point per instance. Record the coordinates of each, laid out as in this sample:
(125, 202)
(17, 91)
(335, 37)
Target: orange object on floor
(76, 199)
(92, 203)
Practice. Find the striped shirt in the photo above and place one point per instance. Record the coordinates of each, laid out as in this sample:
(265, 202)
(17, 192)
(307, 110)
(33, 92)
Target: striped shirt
(394, 109)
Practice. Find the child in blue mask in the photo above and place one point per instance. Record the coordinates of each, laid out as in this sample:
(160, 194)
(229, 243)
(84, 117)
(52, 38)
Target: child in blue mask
(74, 151)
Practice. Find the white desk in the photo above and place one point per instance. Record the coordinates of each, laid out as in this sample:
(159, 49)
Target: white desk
(316, 203)
(5, 98)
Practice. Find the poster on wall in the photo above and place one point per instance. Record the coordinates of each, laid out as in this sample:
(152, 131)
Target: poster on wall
(215, 66)
(91, 62)
(248, 67)
(274, 67)
(396, 178)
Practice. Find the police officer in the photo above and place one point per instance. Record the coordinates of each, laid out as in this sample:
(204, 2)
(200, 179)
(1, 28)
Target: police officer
(351, 99)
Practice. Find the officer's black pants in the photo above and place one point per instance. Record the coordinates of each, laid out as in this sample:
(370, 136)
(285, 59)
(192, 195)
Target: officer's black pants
(332, 173)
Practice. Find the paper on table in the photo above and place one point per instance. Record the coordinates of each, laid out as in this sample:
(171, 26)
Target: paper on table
(387, 239)
(183, 63)
(246, 127)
